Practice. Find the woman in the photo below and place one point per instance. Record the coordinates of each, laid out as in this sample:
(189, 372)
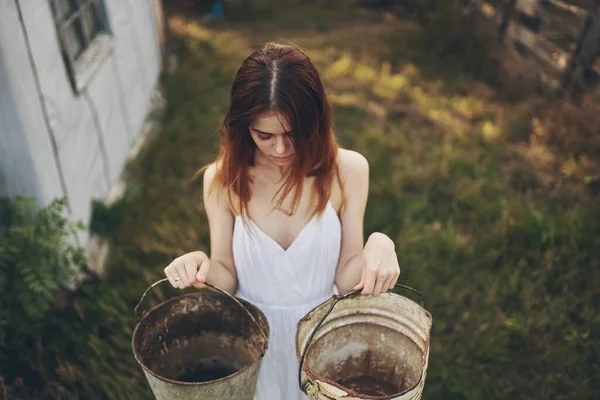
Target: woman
(285, 207)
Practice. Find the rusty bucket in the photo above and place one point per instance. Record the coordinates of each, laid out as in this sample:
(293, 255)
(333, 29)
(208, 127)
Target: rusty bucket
(364, 347)
(203, 345)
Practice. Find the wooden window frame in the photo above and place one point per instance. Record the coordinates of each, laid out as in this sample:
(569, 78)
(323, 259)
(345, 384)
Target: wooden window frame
(96, 45)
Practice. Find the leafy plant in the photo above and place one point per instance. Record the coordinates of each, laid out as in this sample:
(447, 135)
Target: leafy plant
(37, 253)
(106, 218)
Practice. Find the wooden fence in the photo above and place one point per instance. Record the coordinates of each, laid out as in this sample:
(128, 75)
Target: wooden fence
(560, 37)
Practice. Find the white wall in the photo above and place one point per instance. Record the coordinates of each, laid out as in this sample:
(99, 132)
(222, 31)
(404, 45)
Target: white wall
(71, 119)
(136, 66)
(94, 130)
(27, 163)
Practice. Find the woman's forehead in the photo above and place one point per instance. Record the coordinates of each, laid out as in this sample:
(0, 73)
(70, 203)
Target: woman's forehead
(274, 123)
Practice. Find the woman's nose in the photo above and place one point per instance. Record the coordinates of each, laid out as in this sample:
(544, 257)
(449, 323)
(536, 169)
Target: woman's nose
(280, 145)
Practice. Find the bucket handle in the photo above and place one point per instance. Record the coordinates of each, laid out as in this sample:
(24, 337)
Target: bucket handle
(335, 301)
(140, 315)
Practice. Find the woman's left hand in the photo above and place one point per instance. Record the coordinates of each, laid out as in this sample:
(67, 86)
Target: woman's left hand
(381, 270)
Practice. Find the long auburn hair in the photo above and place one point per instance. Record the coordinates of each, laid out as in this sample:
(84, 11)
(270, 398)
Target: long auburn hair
(279, 78)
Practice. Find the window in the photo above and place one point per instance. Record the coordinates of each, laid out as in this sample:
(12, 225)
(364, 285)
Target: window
(84, 37)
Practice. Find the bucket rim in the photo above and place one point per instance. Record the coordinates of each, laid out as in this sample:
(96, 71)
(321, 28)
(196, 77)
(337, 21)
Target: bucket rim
(264, 343)
(315, 377)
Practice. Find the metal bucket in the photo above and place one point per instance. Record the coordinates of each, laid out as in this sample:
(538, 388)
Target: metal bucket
(201, 346)
(366, 348)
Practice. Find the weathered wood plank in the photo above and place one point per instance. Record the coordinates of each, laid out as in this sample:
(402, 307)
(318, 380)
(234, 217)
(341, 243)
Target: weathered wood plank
(560, 37)
(560, 27)
(568, 7)
(528, 7)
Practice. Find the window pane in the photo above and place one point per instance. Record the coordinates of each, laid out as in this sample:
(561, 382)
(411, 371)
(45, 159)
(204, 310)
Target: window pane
(74, 39)
(55, 10)
(62, 9)
(91, 23)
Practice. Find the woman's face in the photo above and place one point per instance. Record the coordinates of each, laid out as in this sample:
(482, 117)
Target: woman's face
(272, 134)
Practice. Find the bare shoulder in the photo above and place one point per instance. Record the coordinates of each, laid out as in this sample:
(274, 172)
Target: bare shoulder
(214, 193)
(209, 177)
(352, 164)
(353, 170)
(210, 172)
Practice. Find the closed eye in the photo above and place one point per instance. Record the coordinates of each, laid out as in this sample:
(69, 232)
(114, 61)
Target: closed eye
(263, 136)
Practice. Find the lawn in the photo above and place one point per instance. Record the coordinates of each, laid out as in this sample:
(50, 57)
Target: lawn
(488, 189)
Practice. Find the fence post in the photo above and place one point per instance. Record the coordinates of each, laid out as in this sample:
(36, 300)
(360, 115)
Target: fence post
(591, 46)
(505, 18)
(584, 55)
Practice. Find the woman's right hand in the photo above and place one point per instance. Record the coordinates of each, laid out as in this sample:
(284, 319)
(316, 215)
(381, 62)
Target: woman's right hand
(188, 270)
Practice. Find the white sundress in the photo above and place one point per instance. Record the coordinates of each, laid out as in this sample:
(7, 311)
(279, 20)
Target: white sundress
(286, 284)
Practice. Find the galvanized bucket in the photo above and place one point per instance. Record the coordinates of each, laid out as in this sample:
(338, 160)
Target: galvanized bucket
(366, 348)
(201, 346)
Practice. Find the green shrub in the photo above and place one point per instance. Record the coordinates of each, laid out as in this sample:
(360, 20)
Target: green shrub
(37, 252)
(106, 218)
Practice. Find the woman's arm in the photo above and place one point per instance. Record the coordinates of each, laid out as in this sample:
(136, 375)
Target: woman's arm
(220, 221)
(195, 268)
(354, 173)
(374, 267)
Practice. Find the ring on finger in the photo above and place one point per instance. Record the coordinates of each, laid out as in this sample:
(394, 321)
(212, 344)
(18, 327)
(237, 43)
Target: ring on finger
(177, 279)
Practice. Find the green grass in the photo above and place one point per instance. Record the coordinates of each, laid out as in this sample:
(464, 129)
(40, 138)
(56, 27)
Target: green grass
(503, 246)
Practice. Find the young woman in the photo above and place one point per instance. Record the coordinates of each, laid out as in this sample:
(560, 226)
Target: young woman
(285, 207)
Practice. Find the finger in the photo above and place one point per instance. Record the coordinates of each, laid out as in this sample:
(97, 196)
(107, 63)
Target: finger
(379, 285)
(386, 285)
(169, 274)
(190, 269)
(203, 270)
(182, 273)
(369, 281)
(177, 279)
(361, 284)
(396, 272)
(391, 263)
(199, 285)
(395, 279)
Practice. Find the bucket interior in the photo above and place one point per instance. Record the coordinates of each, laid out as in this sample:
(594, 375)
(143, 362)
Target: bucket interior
(368, 359)
(199, 337)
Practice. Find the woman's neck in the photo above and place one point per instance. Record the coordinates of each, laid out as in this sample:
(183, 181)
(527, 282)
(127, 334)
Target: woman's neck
(269, 169)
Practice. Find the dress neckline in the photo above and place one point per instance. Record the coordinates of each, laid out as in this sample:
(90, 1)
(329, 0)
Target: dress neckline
(328, 208)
